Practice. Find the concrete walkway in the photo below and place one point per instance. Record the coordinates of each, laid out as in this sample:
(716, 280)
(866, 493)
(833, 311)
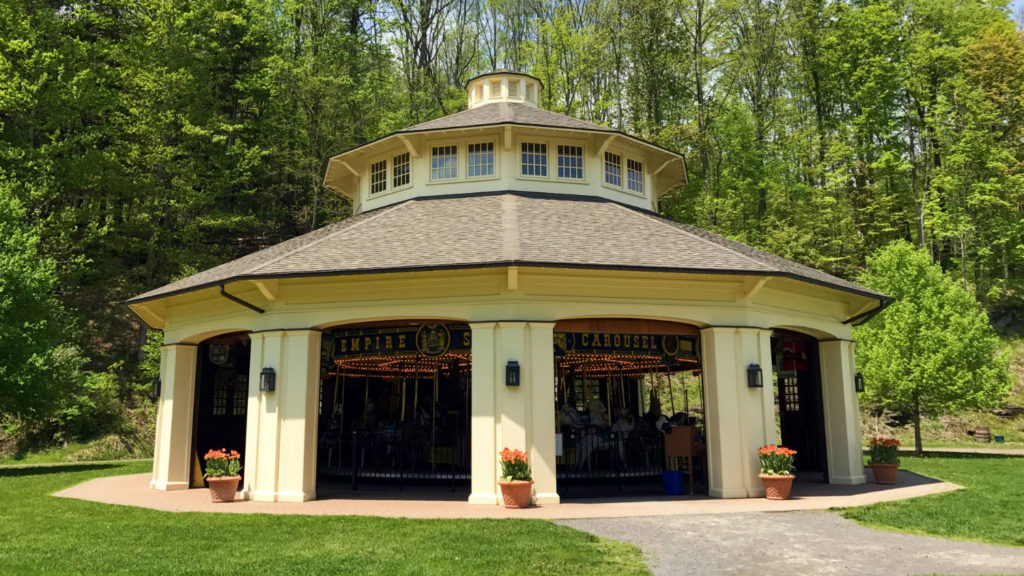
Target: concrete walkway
(795, 543)
(133, 490)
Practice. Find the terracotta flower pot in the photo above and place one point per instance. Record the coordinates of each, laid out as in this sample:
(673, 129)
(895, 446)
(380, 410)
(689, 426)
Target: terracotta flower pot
(223, 488)
(884, 473)
(516, 493)
(777, 487)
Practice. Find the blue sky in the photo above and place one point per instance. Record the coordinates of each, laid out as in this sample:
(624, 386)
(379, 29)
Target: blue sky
(1016, 4)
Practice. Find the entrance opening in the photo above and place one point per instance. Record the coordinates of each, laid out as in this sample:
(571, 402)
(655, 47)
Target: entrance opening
(222, 397)
(798, 402)
(629, 407)
(395, 406)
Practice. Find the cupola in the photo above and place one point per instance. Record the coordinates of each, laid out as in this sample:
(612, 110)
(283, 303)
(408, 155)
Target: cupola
(504, 86)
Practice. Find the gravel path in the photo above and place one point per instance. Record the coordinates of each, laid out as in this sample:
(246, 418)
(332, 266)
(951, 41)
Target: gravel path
(795, 543)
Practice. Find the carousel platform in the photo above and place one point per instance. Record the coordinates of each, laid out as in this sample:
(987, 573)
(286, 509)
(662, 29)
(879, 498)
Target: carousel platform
(133, 490)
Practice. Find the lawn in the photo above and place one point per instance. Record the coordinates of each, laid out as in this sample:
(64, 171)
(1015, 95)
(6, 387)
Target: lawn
(990, 508)
(46, 535)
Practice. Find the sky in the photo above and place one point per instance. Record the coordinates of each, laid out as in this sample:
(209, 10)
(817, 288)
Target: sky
(1014, 6)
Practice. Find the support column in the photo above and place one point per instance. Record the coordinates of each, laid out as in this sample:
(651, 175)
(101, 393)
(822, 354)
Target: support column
(483, 445)
(520, 417)
(739, 419)
(285, 426)
(541, 389)
(253, 415)
(842, 413)
(172, 453)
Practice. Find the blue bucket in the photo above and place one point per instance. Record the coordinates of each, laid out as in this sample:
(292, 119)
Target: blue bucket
(672, 481)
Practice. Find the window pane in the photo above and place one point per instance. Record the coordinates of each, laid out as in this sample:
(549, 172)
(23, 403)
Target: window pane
(535, 159)
(613, 169)
(400, 170)
(378, 176)
(443, 163)
(480, 159)
(635, 176)
(570, 162)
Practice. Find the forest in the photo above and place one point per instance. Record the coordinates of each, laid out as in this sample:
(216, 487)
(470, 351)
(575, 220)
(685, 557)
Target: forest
(145, 140)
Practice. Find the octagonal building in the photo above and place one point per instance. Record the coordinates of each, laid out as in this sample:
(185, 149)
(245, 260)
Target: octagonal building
(506, 281)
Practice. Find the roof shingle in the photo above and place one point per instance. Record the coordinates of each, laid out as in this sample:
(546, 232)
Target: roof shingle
(504, 229)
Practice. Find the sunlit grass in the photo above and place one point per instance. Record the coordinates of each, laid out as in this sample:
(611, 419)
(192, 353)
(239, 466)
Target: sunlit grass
(42, 534)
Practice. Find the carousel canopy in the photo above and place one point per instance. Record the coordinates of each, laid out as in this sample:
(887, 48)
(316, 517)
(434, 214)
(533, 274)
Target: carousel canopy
(504, 229)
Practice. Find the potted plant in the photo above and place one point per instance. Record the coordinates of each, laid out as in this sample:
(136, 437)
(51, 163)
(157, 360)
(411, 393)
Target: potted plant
(776, 471)
(884, 453)
(516, 482)
(222, 468)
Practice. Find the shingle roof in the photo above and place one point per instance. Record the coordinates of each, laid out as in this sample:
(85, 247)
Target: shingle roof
(506, 113)
(501, 229)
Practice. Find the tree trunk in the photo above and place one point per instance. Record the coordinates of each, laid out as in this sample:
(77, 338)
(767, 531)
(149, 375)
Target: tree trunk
(917, 429)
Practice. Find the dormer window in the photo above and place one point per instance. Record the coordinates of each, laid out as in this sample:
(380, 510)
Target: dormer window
(480, 160)
(444, 163)
(513, 89)
(635, 176)
(495, 89)
(613, 169)
(400, 175)
(535, 159)
(570, 162)
(378, 177)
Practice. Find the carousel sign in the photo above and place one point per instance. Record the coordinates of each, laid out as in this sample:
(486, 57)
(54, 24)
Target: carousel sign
(668, 345)
(431, 340)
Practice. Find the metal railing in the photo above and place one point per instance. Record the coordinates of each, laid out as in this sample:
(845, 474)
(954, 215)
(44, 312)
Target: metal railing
(394, 458)
(598, 454)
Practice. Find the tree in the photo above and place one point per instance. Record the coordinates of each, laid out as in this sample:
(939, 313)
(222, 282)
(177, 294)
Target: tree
(932, 351)
(32, 357)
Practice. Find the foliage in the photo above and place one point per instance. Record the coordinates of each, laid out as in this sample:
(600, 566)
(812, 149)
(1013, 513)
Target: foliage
(776, 460)
(884, 451)
(221, 463)
(144, 141)
(47, 535)
(932, 351)
(988, 508)
(514, 465)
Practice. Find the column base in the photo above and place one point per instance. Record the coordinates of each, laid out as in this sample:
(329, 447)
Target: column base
(259, 496)
(491, 499)
(848, 480)
(547, 498)
(727, 493)
(159, 485)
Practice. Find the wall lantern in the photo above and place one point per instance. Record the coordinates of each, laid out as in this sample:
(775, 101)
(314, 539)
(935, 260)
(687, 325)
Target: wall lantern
(154, 389)
(858, 382)
(267, 377)
(754, 376)
(512, 373)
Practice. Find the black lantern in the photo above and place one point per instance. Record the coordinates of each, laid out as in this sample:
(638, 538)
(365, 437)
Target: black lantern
(154, 389)
(858, 382)
(512, 373)
(754, 377)
(267, 378)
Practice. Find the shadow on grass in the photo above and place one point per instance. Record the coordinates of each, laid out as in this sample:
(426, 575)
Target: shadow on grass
(42, 469)
(961, 455)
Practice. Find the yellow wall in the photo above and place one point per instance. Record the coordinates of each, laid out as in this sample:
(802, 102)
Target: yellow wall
(511, 312)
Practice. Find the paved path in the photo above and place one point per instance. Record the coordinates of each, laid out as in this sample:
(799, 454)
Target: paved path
(804, 543)
(133, 490)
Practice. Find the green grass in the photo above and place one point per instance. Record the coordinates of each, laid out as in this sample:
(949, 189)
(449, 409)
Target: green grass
(42, 534)
(989, 509)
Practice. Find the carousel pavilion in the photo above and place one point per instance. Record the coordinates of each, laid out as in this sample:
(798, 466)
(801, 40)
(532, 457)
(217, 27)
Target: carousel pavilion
(506, 280)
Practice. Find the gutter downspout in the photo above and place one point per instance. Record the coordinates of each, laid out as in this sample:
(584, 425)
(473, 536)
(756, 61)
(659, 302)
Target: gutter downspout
(238, 300)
